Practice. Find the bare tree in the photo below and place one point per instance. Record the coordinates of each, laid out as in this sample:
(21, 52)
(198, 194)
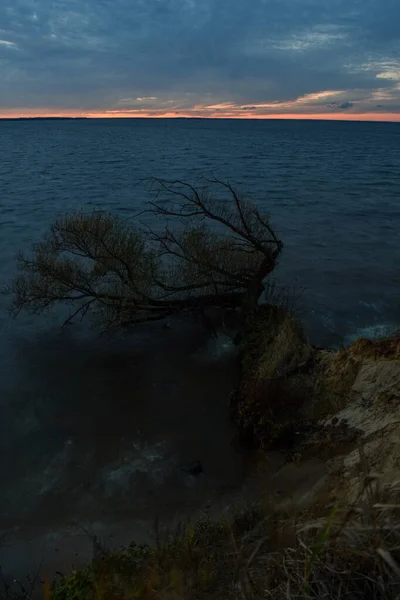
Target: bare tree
(209, 251)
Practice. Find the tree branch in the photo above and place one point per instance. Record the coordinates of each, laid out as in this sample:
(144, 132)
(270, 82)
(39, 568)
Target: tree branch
(219, 256)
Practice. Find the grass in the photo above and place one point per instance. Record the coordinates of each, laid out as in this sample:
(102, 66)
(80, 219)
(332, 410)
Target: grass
(329, 552)
(338, 371)
(335, 553)
(275, 356)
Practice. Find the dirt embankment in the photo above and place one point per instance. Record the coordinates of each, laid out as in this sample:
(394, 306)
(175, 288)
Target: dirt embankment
(341, 408)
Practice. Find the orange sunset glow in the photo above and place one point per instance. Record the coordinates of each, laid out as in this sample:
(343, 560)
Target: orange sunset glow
(310, 106)
(192, 59)
(114, 114)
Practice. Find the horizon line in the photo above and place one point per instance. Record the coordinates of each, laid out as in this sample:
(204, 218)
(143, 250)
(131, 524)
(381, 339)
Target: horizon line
(359, 117)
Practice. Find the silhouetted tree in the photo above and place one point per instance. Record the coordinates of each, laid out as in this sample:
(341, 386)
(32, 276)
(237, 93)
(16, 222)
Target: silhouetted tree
(209, 251)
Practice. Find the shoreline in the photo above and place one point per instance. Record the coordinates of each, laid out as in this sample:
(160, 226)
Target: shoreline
(308, 463)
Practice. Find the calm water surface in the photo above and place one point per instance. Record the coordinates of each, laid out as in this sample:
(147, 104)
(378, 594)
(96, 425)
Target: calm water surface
(94, 430)
(332, 190)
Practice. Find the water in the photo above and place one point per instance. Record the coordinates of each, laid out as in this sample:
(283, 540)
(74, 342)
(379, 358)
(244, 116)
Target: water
(93, 430)
(332, 190)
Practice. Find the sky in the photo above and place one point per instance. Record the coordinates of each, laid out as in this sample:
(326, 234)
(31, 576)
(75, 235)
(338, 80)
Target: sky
(336, 59)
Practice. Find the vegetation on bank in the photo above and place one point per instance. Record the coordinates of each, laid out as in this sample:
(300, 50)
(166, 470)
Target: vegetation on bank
(258, 553)
(276, 360)
(218, 252)
(351, 553)
(331, 548)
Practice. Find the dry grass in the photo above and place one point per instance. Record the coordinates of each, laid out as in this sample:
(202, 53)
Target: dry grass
(290, 351)
(273, 344)
(388, 348)
(351, 553)
(336, 372)
(275, 356)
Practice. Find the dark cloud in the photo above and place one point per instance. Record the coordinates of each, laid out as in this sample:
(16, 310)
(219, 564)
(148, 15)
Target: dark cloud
(341, 105)
(345, 105)
(160, 56)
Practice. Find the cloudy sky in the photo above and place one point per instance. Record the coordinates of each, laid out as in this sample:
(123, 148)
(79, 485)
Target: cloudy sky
(235, 58)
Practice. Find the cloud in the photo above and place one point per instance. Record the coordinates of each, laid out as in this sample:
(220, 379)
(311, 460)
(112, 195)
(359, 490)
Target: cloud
(6, 43)
(345, 105)
(341, 105)
(201, 57)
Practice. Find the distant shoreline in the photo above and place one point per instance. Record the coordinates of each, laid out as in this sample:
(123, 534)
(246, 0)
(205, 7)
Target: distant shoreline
(202, 118)
(42, 118)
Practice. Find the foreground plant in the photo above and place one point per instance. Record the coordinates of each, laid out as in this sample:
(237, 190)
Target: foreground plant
(209, 251)
(258, 553)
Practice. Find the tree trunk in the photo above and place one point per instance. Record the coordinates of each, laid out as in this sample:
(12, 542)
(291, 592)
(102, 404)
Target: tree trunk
(256, 286)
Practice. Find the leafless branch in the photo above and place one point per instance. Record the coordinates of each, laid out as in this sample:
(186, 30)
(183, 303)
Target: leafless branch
(219, 252)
